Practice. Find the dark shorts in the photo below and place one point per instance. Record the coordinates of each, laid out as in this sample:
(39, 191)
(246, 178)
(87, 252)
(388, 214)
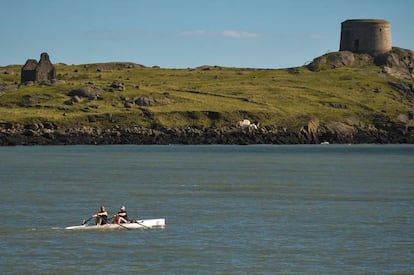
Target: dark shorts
(104, 219)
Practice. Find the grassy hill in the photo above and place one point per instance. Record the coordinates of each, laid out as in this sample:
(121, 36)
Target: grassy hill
(126, 94)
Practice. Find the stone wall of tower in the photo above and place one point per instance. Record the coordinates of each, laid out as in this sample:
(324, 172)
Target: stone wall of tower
(372, 36)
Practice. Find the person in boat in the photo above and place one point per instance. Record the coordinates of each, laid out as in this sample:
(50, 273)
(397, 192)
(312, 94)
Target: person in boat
(121, 216)
(101, 217)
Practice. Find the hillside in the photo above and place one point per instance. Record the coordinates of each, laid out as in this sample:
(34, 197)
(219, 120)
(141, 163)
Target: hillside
(339, 97)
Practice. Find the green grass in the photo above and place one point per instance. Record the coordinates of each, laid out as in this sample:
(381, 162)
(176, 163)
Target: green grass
(215, 96)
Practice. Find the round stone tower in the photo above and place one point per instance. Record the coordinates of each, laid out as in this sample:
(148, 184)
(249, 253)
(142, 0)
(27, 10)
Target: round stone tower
(372, 36)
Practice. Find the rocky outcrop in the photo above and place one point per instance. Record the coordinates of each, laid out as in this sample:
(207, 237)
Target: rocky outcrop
(382, 131)
(311, 130)
(404, 88)
(90, 92)
(332, 61)
(116, 86)
(112, 66)
(398, 62)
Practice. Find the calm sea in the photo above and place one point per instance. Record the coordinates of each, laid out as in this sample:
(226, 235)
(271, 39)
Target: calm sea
(320, 209)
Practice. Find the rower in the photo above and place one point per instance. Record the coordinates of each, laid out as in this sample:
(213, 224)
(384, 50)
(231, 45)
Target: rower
(101, 217)
(121, 216)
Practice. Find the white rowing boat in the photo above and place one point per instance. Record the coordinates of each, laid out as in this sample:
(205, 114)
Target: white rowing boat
(138, 224)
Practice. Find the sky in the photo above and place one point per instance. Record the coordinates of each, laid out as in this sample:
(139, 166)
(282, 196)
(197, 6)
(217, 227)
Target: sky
(189, 33)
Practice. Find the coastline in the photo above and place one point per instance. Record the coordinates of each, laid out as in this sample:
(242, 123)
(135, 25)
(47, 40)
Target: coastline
(49, 134)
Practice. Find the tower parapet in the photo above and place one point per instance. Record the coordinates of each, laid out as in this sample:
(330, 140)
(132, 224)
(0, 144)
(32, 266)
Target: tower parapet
(371, 36)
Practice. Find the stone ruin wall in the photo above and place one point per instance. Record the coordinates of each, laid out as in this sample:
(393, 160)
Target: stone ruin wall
(38, 71)
(45, 69)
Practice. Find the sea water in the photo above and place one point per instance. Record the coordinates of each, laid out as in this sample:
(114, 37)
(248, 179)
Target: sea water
(310, 209)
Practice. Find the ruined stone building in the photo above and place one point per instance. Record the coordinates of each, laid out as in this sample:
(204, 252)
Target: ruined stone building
(371, 36)
(38, 71)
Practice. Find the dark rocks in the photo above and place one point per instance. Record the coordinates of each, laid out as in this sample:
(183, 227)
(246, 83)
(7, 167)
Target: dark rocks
(75, 99)
(145, 101)
(398, 63)
(104, 117)
(404, 88)
(336, 105)
(128, 104)
(99, 67)
(383, 131)
(116, 86)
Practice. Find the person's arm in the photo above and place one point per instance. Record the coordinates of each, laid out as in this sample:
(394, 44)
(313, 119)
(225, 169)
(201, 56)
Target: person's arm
(101, 214)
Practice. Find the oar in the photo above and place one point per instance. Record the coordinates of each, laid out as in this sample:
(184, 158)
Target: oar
(86, 221)
(123, 226)
(119, 223)
(141, 224)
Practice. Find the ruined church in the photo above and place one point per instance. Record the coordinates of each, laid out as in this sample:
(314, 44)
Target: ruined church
(38, 71)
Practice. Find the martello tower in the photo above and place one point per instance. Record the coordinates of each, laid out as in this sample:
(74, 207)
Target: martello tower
(372, 36)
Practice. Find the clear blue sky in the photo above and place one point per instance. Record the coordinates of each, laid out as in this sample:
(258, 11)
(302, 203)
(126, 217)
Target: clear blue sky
(189, 33)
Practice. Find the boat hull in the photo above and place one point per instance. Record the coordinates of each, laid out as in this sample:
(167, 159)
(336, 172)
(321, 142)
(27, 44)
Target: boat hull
(139, 224)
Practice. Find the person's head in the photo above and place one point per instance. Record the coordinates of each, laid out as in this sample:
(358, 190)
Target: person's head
(123, 209)
(103, 208)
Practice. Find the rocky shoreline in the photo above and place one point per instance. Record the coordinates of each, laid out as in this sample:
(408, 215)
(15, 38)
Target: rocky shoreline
(313, 133)
(365, 124)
